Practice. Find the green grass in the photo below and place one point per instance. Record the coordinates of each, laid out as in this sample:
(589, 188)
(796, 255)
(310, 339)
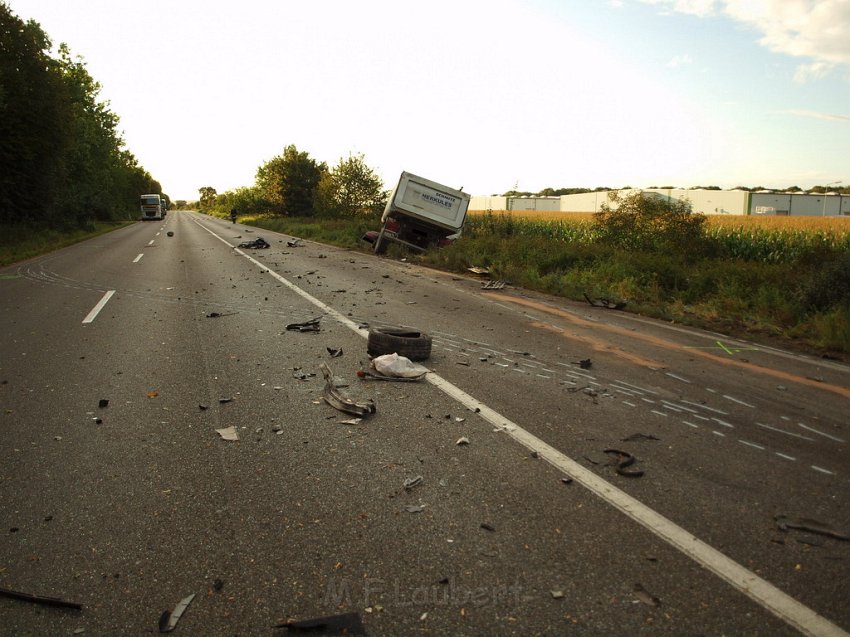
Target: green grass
(18, 242)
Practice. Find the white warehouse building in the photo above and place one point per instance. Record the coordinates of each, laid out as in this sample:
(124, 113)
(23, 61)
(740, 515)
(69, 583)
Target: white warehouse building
(708, 202)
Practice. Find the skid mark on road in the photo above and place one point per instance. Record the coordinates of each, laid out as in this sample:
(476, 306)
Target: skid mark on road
(670, 345)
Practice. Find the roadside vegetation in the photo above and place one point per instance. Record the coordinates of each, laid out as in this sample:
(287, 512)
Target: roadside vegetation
(784, 280)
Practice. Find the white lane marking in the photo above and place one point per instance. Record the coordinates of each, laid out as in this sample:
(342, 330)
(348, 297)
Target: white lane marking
(648, 391)
(782, 431)
(718, 433)
(822, 470)
(820, 433)
(751, 444)
(151, 242)
(660, 413)
(626, 402)
(666, 405)
(138, 258)
(679, 378)
(91, 316)
(740, 402)
(690, 424)
(724, 423)
(787, 457)
(679, 407)
(706, 407)
(760, 590)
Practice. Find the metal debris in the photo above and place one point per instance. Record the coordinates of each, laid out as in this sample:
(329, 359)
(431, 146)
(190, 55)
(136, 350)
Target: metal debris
(219, 314)
(639, 437)
(338, 400)
(645, 596)
(295, 243)
(411, 483)
(307, 326)
(345, 624)
(103, 402)
(478, 270)
(39, 599)
(493, 285)
(168, 620)
(463, 440)
(335, 353)
(228, 433)
(812, 526)
(415, 508)
(257, 244)
(606, 303)
(585, 363)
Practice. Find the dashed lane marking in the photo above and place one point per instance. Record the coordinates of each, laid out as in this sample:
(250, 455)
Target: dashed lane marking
(91, 316)
(138, 258)
(760, 590)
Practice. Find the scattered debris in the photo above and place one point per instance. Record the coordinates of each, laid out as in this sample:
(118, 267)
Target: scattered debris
(225, 400)
(298, 374)
(392, 366)
(606, 303)
(103, 403)
(462, 441)
(488, 527)
(168, 620)
(257, 244)
(645, 596)
(153, 394)
(228, 433)
(351, 421)
(585, 363)
(639, 437)
(203, 407)
(345, 624)
(567, 480)
(411, 483)
(169, 233)
(478, 270)
(493, 285)
(410, 343)
(338, 400)
(812, 526)
(335, 353)
(295, 243)
(415, 508)
(557, 594)
(218, 584)
(625, 460)
(220, 314)
(535, 454)
(307, 326)
(39, 599)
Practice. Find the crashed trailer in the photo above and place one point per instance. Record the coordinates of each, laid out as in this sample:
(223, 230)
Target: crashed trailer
(421, 213)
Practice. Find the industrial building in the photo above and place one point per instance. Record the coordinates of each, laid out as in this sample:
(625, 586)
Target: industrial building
(708, 202)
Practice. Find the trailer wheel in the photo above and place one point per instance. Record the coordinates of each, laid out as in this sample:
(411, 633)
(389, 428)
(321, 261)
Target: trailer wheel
(408, 343)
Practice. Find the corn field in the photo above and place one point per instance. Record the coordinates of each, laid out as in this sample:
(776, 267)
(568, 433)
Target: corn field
(750, 238)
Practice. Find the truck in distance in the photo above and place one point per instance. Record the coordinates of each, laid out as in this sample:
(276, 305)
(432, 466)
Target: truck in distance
(151, 207)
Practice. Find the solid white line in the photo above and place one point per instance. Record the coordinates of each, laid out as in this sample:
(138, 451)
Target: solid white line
(684, 380)
(690, 424)
(138, 258)
(648, 391)
(787, 457)
(91, 316)
(820, 433)
(660, 413)
(760, 590)
(751, 444)
(723, 422)
(822, 470)
(701, 406)
(782, 431)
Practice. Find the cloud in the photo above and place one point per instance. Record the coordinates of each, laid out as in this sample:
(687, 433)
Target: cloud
(812, 29)
(827, 116)
(680, 60)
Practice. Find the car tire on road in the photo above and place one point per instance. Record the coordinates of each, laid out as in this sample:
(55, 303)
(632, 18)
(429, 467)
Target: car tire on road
(411, 344)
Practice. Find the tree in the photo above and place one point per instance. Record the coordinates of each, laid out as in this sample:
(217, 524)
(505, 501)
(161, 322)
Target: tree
(207, 200)
(651, 223)
(289, 181)
(350, 189)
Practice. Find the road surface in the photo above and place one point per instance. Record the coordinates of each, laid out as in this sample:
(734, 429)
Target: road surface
(528, 529)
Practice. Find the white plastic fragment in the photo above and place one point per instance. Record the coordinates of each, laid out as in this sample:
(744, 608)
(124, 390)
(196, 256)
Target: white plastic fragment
(397, 366)
(463, 440)
(228, 433)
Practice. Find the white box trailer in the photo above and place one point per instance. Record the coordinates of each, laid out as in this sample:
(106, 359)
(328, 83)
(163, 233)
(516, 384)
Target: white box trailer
(421, 213)
(151, 207)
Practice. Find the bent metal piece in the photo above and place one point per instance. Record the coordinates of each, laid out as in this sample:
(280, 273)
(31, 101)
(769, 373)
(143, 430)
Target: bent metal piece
(340, 401)
(39, 599)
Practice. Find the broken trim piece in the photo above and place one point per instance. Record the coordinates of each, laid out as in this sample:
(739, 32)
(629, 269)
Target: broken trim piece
(168, 620)
(39, 599)
(340, 401)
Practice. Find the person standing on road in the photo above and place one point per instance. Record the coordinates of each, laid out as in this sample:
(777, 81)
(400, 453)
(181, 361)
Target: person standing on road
(233, 215)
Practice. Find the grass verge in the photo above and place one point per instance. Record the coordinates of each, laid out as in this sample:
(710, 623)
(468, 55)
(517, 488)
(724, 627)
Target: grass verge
(18, 242)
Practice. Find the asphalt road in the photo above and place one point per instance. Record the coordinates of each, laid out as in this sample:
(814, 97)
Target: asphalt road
(527, 530)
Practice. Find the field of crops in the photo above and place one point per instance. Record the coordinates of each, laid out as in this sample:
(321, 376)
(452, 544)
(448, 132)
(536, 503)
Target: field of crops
(754, 238)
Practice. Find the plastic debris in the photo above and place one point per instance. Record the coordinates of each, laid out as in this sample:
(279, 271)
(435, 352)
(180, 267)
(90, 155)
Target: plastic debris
(557, 594)
(585, 363)
(395, 366)
(812, 526)
(463, 440)
(257, 244)
(645, 596)
(639, 437)
(169, 233)
(295, 243)
(624, 460)
(219, 314)
(411, 483)
(228, 433)
(335, 353)
(39, 599)
(478, 270)
(488, 527)
(606, 303)
(222, 401)
(168, 620)
(103, 403)
(299, 374)
(493, 285)
(153, 394)
(351, 421)
(307, 326)
(338, 400)
(345, 624)
(415, 508)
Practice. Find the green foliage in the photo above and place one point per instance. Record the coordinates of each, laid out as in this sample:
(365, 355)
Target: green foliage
(207, 198)
(247, 200)
(62, 161)
(351, 189)
(643, 221)
(289, 181)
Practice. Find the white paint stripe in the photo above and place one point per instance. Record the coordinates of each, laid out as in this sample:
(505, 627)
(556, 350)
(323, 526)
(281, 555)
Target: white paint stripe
(718, 433)
(684, 380)
(660, 413)
(626, 402)
(822, 470)
(751, 444)
(150, 243)
(820, 433)
(760, 590)
(724, 423)
(740, 402)
(782, 431)
(679, 407)
(138, 258)
(787, 457)
(91, 316)
(665, 405)
(648, 391)
(706, 407)
(690, 424)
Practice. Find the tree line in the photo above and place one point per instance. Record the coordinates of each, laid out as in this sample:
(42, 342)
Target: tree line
(294, 184)
(556, 192)
(63, 163)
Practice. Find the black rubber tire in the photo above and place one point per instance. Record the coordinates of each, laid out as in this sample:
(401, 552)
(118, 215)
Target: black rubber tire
(396, 340)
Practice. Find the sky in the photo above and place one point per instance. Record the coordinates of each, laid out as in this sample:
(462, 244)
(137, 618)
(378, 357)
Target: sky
(484, 95)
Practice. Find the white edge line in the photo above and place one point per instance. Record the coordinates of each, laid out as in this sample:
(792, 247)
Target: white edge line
(91, 316)
(820, 433)
(760, 590)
